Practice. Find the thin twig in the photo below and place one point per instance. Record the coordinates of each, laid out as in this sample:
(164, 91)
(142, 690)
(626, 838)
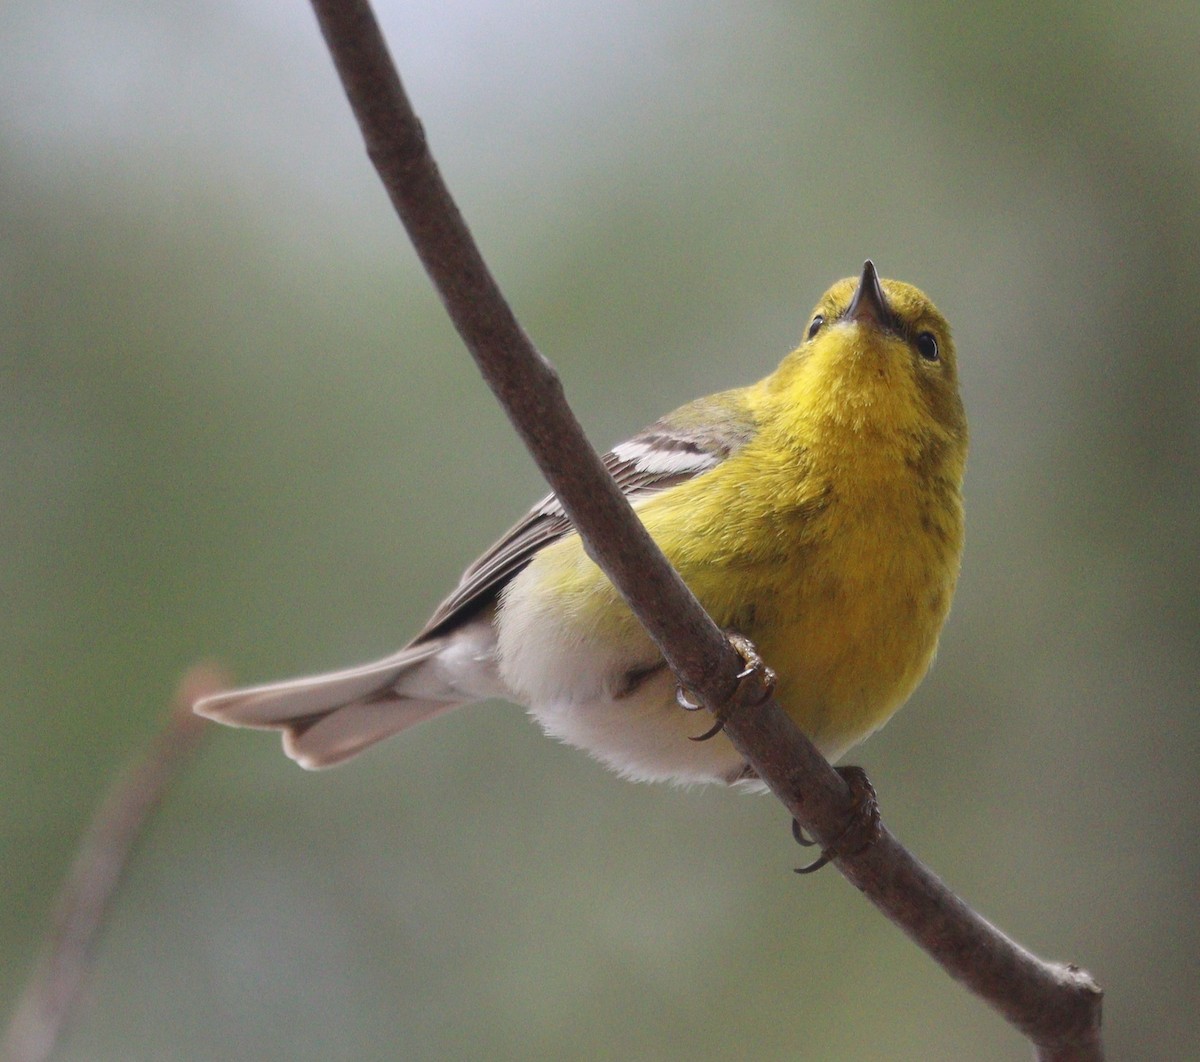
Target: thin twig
(53, 990)
(1057, 1007)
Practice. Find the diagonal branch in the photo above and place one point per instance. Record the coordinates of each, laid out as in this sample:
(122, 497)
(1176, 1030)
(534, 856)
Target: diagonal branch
(53, 991)
(1057, 1007)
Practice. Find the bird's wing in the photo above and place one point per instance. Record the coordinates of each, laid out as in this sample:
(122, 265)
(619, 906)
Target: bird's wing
(695, 438)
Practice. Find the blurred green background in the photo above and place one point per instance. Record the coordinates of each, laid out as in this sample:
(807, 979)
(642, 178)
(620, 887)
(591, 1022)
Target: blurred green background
(236, 425)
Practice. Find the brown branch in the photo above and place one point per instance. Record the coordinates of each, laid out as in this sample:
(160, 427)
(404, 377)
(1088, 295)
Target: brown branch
(1057, 1007)
(83, 902)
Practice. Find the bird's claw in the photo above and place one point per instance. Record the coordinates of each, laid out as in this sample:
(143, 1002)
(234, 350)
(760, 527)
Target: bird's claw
(683, 697)
(755, 684)
(756, 681)
(800, 837)
(862, 829)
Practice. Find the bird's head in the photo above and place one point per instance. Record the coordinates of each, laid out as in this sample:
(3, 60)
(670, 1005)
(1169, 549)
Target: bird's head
(877, 357)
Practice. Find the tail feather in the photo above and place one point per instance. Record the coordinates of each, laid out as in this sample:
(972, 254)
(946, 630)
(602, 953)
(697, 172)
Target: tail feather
(334, 736)
(328, 718)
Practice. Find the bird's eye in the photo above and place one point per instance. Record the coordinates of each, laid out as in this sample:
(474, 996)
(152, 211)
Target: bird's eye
(927, 346)
(815, 327)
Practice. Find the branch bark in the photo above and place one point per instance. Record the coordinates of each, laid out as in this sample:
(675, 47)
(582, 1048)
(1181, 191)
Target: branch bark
(53, 990)
(1056, 1006)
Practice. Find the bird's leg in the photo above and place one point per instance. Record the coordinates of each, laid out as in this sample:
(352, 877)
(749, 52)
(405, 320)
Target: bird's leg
(755, 684)
(862, 829)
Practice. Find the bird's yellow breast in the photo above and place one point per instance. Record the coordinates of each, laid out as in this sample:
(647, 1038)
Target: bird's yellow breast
(843, 580)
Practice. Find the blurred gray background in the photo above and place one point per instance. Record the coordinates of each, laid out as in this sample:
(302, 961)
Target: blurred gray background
(235, 424)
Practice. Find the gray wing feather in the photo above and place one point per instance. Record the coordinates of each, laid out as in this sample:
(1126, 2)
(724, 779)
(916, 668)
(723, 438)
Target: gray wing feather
(682, 445)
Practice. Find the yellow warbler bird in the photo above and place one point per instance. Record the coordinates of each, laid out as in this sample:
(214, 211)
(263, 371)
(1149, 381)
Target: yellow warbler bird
(818, 512)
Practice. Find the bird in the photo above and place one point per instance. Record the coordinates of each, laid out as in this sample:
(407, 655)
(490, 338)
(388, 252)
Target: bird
(817, 513)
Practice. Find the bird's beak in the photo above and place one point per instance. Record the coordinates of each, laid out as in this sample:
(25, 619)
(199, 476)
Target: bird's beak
(869, 305)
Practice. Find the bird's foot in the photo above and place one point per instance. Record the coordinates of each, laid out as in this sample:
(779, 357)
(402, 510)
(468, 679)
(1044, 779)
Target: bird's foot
(862, 829)
(755, 684)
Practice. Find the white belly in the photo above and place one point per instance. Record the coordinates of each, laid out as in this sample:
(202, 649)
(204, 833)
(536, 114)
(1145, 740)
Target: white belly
(577, 686)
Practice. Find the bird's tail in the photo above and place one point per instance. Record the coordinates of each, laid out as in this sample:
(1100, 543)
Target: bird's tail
(328, 718)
